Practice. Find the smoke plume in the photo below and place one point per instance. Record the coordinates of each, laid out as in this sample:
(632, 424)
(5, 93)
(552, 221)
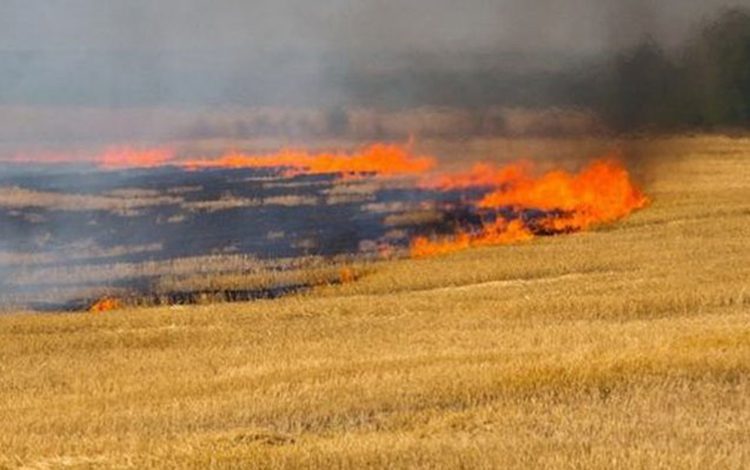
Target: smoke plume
(112, 72)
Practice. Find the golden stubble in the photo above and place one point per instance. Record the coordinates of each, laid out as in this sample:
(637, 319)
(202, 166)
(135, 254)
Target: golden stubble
(625, 347)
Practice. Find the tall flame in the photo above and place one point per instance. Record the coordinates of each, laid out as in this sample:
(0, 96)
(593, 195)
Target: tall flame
(601, 193)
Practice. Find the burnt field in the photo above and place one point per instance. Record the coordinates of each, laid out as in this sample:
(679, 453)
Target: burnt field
(71, 234)
(148, 228)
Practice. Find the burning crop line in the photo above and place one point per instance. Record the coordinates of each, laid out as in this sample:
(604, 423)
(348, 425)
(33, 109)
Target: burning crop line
(378, 159)
(129, 157)
(520, 204)
(601, 193)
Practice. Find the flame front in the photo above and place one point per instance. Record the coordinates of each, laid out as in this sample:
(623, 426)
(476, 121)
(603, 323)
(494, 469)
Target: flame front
(482, 174)
(601, 193)
(499, 232)
(380, 159)
(131, 157)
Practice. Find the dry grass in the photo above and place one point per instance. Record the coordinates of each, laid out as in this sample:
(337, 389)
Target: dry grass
(626, 347)
(129, 201)
(119, 202)
(212, 278)
(347, 192)
(418, 217)
(290, 200)
(85, 250)
(207, 266)
(224, 203)
(305, 271)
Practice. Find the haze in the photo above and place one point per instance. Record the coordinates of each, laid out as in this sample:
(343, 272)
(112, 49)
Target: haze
(301, 53)
(379, 25)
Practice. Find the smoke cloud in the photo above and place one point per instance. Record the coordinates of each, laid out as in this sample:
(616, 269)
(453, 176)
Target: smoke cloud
(196, 53)
(242, 27)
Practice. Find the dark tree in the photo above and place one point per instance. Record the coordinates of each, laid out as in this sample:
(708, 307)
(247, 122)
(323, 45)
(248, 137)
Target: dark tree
(642, 92)
(717, 67)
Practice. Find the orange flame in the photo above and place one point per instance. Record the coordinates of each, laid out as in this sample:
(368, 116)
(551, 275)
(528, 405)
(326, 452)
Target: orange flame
(601, 193)
(131, 157)
(500, 232)
(346, 275)
(111, 158)
(106, 304)
(381, 159)
(482, 174)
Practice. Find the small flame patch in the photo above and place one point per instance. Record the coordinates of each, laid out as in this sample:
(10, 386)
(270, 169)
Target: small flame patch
(106, 304)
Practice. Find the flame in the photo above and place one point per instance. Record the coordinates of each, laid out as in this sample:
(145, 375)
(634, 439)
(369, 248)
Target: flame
(111, 158)
(481, 175)
(40, 159)
(500, 232)
(601, 193)
(346, 275)
(106, 304)
(380, 159)
(131, 157)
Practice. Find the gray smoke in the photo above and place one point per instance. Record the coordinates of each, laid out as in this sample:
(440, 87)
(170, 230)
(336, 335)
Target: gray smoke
(239, 27)
(200, 53)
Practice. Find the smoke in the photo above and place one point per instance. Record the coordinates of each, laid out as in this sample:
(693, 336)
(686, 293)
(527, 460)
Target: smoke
(248, 27)
(234, 53)
(76, 74)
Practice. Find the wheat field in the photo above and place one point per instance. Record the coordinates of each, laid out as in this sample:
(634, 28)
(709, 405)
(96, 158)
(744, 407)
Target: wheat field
(623, 347)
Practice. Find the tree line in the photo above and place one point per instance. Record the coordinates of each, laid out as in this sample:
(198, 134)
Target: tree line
(705, 84)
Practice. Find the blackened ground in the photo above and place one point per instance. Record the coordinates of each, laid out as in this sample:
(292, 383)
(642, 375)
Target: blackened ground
(255, 212)
(150, 299)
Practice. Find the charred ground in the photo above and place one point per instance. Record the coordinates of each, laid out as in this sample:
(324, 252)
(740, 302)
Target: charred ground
(64, 228)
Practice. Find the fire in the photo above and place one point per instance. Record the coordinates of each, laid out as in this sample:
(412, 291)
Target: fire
(131, 157)
(346, 275)
(601, 193)
(481, 175)
(380, 159)
(523, 205)
(499, 232)
(111, 158)
(106, 304)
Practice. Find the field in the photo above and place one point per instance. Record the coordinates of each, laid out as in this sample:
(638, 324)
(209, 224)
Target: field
(623, 347)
